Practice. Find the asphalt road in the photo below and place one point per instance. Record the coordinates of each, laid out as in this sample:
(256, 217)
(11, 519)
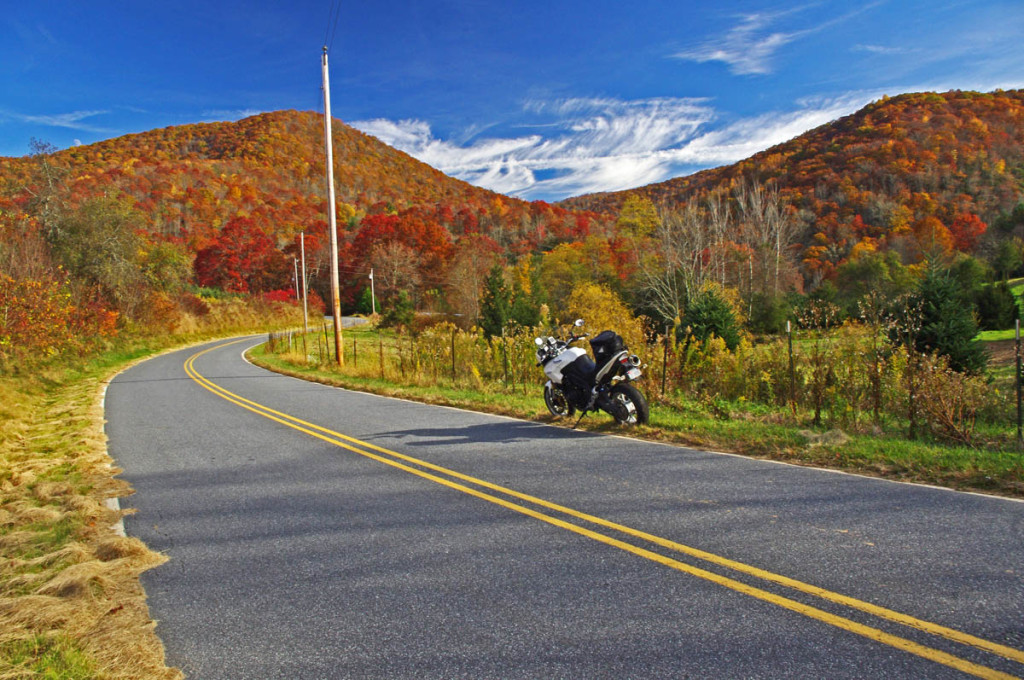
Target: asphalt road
(437, 543)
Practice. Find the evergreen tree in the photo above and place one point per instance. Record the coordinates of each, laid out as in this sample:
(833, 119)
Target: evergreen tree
(1006, 260)
(709, 314)
(997, 307)
(364, 305)
(769, 313)
(947, 322)
(495, 303)
(524, 310)
(400, 311)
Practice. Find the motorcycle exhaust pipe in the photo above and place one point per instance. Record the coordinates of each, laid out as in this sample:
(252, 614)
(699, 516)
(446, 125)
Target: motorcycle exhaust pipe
(634, 360)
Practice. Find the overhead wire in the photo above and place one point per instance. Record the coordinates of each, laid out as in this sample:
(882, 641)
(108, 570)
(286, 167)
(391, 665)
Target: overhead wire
(332, 24)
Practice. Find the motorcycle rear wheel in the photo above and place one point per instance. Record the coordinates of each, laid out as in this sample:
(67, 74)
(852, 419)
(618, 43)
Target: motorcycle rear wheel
(556, 402)
(628, 405)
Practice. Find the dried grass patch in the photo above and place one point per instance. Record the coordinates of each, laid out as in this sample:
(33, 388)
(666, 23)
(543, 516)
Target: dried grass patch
(71, 604)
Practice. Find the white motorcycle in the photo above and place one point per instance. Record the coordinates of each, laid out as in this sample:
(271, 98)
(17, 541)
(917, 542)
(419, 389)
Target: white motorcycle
(579, 383)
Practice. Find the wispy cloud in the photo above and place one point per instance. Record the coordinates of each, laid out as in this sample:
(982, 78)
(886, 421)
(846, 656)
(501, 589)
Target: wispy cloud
(749, 47)
(229, 114)
(596, 145)
(75, 120)
(883, 49)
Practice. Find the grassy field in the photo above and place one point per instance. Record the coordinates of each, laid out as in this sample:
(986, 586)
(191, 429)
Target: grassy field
(737, 428)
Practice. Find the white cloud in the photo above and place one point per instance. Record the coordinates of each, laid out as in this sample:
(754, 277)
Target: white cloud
(882, 49)
(747, 48)
(229, 114)
(750, 46)
(72, 121)
(594, 145)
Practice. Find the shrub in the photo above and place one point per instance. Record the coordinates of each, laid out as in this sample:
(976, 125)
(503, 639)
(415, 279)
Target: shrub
(710, 315)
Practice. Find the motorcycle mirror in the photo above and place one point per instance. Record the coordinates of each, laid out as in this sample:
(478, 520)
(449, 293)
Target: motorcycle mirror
(579, 322)
(538, 342)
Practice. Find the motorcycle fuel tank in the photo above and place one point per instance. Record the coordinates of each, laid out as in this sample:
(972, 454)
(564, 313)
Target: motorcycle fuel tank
(553, 369)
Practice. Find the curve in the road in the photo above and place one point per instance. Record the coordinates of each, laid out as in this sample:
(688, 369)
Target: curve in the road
(427, 471)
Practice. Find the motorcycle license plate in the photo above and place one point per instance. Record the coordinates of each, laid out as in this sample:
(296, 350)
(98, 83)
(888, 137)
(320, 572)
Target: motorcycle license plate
(633, 373)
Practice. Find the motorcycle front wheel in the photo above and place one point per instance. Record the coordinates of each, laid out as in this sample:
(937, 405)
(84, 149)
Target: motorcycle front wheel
(556, 402)
(628, 405)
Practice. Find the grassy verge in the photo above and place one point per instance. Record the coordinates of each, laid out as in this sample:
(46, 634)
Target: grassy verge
(733, 428)
(71, 604)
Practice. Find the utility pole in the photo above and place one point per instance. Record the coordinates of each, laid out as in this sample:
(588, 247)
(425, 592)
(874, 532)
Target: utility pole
(305, 304)
(332, 217)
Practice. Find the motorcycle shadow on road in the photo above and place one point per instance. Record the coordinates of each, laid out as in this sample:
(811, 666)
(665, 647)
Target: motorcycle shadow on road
(485, 433)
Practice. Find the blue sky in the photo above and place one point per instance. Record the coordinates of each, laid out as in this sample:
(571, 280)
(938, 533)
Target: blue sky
(541, 100)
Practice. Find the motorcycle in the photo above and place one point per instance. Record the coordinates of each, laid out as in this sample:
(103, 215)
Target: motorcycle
(579, 383)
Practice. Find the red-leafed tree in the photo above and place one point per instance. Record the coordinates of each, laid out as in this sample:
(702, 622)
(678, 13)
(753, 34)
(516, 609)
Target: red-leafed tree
(428, 243)
(242, 259)
(967, 229)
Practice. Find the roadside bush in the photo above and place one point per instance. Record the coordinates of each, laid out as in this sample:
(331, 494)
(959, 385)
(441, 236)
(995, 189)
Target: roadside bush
(950, 400)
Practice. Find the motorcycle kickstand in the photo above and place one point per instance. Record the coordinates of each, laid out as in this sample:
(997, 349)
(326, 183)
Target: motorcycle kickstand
(583, 413)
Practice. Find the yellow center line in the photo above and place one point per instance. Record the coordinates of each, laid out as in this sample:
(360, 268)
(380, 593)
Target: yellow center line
(388, 458)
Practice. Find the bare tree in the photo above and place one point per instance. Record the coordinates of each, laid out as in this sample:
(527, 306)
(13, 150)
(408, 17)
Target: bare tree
(720, 223)
(396, 267)
(767, 227)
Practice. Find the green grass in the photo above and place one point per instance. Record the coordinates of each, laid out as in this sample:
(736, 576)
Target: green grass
(736, 428)
(48, 657)
(993, 336)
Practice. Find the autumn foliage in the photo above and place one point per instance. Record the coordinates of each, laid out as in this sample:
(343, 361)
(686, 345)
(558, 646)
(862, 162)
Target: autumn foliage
(222, 206)
(919, 173)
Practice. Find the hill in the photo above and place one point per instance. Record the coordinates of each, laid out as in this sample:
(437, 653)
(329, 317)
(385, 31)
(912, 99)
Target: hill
(124, 230)
(188, 180)
(944, 166)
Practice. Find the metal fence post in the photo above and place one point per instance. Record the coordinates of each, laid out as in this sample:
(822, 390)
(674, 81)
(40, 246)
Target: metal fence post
(504, 355)
(792, 368)
(664, 362)
(1020, 416)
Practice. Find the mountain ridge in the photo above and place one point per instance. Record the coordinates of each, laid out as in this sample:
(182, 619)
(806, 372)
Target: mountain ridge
(963, 150)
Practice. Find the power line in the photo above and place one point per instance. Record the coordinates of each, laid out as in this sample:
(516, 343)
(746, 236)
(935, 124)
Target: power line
(332, 24)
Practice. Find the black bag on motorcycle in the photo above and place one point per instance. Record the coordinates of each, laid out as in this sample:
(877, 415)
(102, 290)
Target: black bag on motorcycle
(606, 344)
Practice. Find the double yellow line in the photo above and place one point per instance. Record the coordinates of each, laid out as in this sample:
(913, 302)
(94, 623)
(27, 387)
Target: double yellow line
(427, 470)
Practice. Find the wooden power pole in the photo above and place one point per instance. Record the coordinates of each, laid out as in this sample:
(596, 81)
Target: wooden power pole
(332, 217)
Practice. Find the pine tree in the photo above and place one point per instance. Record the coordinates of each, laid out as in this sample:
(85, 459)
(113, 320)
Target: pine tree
(947, 322)
(495, 303)
(710, 315)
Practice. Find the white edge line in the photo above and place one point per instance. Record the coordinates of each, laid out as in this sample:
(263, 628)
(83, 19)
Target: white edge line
(645, 441)
(114, 502)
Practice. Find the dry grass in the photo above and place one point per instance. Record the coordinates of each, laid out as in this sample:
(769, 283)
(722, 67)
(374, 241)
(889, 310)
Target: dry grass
(71, 604)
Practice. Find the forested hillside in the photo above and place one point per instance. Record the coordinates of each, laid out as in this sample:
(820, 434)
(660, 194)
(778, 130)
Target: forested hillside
(188, 180)
(908, 173)
(124, 231)
(149, 229)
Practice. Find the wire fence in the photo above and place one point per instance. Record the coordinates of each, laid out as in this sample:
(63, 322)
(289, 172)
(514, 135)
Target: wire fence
(847, 377)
